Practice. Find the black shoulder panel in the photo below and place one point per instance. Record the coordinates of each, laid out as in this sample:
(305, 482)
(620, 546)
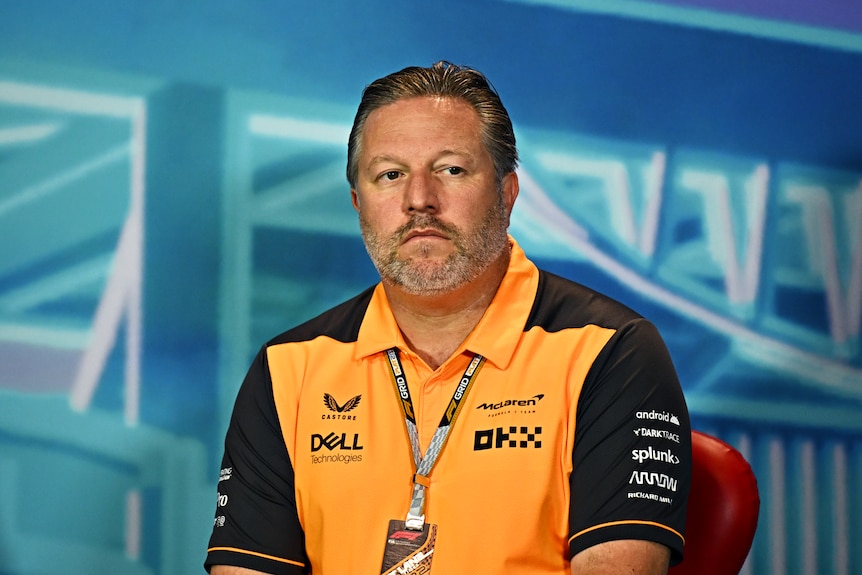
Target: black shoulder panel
(341, 322)
(563, 304)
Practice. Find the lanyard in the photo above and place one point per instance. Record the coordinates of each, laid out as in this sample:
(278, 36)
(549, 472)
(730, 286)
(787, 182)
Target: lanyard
(416, 514)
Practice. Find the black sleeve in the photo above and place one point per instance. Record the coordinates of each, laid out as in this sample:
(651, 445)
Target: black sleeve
(632, 453)
(256, 523)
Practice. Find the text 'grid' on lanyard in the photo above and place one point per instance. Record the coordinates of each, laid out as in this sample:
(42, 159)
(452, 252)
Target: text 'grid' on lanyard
(424, 465)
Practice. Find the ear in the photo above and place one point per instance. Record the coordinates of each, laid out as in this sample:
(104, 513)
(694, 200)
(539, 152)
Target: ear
(354, 199)
(510, 188)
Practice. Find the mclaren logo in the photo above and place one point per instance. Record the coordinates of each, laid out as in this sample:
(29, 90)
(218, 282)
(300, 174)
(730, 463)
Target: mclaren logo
(512, 403)
(340, 411)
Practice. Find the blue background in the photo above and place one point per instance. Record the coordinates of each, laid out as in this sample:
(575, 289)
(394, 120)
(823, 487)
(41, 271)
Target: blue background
(172, 194)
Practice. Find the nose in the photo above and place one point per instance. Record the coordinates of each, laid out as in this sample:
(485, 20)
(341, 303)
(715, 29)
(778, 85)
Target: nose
(421, 194)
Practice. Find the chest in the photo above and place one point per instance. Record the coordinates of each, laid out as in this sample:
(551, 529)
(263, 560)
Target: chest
(349, 436)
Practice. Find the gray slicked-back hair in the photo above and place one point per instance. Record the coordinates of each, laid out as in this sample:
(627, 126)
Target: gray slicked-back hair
(445, 80)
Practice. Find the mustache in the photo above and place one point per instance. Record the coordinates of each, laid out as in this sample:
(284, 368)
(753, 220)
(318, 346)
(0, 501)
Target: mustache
(426, 222)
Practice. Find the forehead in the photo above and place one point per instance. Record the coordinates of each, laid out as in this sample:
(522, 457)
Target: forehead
(424, 119)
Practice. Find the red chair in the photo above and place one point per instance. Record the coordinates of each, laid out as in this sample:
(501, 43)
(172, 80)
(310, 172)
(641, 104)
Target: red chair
(722, 509)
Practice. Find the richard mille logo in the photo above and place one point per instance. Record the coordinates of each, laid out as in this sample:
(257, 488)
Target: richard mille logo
(340, 411)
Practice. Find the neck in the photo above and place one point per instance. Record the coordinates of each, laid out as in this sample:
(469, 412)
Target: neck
(434, 326)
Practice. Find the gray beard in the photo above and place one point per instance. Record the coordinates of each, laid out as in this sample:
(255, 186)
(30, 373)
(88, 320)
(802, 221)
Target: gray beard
(418, 276)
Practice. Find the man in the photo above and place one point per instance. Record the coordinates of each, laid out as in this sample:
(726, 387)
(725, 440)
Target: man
(470, 413)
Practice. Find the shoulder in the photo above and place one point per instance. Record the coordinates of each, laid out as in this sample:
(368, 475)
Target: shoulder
(564, 304)
(340, 323)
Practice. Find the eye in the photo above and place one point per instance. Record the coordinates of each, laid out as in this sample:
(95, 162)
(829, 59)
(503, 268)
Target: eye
(390, 176)
(454, 170)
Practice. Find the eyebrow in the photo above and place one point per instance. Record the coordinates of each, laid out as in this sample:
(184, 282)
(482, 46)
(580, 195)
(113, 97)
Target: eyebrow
(444, 153)
(381, 159)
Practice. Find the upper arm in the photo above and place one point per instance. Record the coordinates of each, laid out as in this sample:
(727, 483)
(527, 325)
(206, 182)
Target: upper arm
(256, 521)
(632, 453)
(635, 557)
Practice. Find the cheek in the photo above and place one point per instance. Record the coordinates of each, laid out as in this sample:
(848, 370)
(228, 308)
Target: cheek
(471, 210)
(379, 220)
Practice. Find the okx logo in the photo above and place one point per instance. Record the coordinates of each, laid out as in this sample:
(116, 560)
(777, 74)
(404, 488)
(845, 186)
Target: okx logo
(511, 437)
(334, 441)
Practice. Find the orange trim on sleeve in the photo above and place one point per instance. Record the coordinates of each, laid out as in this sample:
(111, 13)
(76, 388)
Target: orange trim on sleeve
(235, 550)
(627, 522)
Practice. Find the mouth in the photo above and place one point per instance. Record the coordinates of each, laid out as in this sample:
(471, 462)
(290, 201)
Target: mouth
(423, 233)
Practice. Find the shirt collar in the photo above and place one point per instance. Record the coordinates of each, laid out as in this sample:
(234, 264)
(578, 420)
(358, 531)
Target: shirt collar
(495, 336)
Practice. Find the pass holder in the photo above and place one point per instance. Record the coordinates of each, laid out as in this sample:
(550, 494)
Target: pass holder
(408, 550)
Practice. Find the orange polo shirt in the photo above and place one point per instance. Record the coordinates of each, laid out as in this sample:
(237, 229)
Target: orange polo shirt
(546, 457)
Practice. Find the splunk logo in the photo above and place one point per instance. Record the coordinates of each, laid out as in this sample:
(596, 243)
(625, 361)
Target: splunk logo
(666, 456)
(512, 403)
(334, 442)
(512, 437)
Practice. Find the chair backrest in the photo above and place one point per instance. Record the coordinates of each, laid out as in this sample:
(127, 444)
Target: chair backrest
(722, 509)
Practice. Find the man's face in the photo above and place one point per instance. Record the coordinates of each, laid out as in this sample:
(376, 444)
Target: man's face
(429, 209)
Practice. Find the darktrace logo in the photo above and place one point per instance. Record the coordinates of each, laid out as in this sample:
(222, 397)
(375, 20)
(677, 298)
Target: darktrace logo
(508, 437)
(340, 411)
(510, 405)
